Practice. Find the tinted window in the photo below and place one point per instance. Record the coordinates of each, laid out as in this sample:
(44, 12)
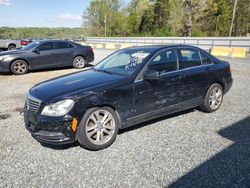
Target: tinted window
(62, 45)
(45, 46)
(205, 59)
(166, 61)
(189, 58)
(30, 46)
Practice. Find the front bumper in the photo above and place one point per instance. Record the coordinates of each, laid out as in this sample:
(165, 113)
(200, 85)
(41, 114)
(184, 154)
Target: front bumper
(4, 66)
(50, 130)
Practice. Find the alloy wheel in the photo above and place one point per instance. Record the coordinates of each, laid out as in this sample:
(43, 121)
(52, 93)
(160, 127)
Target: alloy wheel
(215, 98)
(79, 62)
(100, 127)
(20, 67)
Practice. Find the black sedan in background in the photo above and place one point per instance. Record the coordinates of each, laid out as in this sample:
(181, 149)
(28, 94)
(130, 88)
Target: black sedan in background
(46, 54)
(129, 87)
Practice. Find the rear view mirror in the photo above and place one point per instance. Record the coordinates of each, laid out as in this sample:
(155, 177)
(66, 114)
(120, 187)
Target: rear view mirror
(151, 75)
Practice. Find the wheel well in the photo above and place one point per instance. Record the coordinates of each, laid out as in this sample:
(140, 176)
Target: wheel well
(80, 56)
(220, 83)
(19, 59)
(11, 44)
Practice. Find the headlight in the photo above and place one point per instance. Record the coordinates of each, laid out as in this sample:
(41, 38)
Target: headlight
(60, 108)
(5, 57)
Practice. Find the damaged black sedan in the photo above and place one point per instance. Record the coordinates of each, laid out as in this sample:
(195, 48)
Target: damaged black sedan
(130, 86)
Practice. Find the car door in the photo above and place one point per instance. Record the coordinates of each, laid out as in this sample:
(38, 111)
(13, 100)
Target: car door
(164, 92)
(63, 53)
(42, 56)
(196, 76)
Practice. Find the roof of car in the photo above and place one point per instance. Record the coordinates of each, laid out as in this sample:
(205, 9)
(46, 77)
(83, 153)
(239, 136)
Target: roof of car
(52, 40)
(158, 47)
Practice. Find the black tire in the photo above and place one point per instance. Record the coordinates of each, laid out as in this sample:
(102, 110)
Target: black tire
(19, 67)
(79, 62)
(11, 47)
(87, 141)
(210, 99)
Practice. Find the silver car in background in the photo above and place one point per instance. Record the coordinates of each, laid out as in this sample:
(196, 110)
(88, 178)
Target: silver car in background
(10, 44)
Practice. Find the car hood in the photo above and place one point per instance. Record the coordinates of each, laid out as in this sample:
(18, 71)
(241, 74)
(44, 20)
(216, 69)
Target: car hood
(13, 52)
(69, 84)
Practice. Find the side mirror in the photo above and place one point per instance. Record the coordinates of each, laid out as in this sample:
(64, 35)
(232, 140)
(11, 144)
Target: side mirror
(36, 50)
(151, 75)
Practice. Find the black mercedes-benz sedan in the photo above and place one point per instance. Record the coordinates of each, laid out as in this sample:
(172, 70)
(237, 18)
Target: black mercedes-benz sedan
(130, 86)
(45, 54)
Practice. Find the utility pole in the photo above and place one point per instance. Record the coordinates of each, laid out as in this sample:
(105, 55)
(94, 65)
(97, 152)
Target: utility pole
(232, 23)
(105, 22)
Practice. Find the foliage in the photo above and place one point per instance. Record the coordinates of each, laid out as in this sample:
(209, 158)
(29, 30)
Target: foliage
(167, 18)
(150, 18)
(41, 33)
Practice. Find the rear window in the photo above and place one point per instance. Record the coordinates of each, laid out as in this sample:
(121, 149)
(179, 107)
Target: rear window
(62, 45)
(205, 60)
(189, 58)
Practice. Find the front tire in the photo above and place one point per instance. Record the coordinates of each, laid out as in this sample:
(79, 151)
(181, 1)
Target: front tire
(213, 98)
(98, 128)
(19, 67)
(79, 62)
(11, 47)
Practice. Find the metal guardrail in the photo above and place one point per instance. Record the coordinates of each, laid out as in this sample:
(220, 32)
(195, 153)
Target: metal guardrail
(205, 43)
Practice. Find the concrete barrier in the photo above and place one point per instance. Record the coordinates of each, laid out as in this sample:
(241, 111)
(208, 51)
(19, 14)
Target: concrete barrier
(239, 53)
(221, 51)
(100, 46)
(126, 45)
(229, 52)
(110, 46)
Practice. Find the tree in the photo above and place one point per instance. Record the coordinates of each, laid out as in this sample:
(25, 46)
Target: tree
(242, 18)
(217, 18)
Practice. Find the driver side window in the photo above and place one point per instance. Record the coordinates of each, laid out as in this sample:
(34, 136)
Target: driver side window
(165, 61)
(45, 46)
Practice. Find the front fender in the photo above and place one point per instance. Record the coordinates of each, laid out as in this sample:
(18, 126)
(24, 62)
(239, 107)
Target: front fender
(115, 100)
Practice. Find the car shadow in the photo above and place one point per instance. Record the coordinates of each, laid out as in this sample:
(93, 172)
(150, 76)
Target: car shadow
(5, 74)
(138, 126)
(61, 147)
(48, 70)
(228, 168)
(61, 68)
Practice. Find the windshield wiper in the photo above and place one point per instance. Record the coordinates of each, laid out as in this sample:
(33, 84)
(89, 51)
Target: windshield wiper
(102, 70)
(108, 72)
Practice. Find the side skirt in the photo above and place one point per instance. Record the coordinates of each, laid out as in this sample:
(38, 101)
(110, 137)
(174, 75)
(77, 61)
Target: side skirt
(163, 112)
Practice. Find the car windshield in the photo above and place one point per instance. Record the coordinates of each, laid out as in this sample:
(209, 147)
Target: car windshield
(30, 46)
(124, 62)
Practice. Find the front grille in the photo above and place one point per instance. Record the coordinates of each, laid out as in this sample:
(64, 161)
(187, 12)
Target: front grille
(32, 104)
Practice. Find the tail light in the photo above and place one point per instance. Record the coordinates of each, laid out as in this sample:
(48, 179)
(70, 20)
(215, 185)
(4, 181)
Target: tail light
(90, 50)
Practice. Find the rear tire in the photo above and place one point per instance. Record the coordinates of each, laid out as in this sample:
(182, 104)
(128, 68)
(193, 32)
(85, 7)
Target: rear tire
(11, 47)
(79, 62)
(98, 128)
(213, 98)
(19, 67)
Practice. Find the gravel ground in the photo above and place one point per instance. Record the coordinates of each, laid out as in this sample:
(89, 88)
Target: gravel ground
(188, 149)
